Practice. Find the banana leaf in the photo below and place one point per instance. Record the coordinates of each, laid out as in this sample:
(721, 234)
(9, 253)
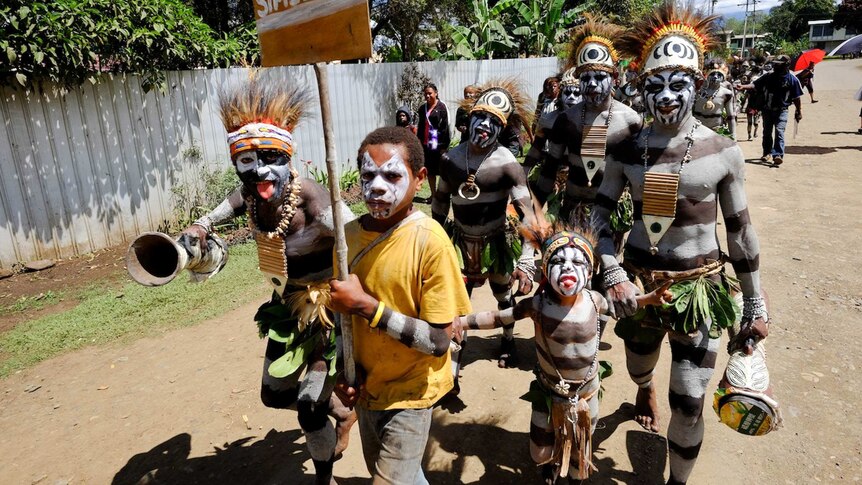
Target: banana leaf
(293, 359)
(460, 256)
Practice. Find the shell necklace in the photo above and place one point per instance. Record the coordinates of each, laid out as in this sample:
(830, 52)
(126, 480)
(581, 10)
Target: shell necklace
(270, 244)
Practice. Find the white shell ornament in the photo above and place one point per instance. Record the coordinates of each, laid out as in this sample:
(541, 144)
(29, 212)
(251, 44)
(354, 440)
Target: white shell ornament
(673, 51)
(595, 53)
(469, 190)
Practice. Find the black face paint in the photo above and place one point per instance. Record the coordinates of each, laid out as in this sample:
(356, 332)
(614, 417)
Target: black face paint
(484, 129)
(596, 86)
(265, 173)
(669, 96)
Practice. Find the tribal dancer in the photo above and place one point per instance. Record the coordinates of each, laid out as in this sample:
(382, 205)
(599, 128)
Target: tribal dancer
(565, 394)
(570, 94)
(680, 174)
(478, 179)
(716, 99)
(583, 134)
(291, 219)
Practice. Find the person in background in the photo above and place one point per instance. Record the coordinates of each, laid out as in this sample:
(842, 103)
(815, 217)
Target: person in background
(432, 128)
(547, 100)
(404, 118)
(462, 116)
(779, 89)
(806, 78)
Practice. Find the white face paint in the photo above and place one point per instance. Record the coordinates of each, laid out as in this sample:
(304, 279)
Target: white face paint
(596, 86)
(266, 172)
(484, 129)
(570, 95)
(669, 96)
(568, 271)
(384, 187)
(715, 79)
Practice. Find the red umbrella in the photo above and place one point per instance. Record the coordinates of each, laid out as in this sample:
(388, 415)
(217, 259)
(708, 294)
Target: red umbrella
(807, 57)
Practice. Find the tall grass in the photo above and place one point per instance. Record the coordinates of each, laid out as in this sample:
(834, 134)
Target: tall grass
(110, 314)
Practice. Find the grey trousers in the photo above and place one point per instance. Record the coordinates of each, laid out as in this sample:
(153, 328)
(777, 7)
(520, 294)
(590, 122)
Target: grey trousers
(393, 444)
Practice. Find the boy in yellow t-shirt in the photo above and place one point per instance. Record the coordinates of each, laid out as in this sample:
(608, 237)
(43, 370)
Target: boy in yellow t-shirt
(403, 293)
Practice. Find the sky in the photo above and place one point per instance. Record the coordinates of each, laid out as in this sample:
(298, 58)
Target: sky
(732, 8)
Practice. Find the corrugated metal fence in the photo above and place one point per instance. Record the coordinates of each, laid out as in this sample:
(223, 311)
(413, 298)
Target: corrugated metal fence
(94, 167)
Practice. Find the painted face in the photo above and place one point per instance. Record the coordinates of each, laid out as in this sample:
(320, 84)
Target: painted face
(484, 129)
(568, 271)
(669, 96)
(570, 95)
(264, 172)
(385, 186)
(596, 86)
(715, 79)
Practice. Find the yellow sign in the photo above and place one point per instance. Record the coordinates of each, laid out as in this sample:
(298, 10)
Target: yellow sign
(308, 31)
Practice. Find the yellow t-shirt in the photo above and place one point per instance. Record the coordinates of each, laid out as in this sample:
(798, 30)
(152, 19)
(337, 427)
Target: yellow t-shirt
(414, 272)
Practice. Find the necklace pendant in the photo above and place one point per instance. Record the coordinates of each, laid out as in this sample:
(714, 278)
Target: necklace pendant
(709, 105)
(653, 250)
(469, 191)
(562, 387)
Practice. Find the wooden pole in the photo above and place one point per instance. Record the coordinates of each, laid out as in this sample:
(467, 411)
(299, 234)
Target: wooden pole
(335, 198)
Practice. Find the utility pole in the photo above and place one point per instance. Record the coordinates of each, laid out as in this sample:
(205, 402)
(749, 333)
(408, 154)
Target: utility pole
(744, 30)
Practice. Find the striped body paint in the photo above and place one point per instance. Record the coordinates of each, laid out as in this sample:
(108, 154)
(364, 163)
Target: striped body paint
(564, 148)
(308, 251)
(712, 180)
(566, 341)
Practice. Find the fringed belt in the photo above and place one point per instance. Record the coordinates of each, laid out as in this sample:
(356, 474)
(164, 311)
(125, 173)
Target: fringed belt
(570, 417)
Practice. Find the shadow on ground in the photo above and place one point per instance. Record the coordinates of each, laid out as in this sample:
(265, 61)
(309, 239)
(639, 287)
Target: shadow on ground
(277, 458)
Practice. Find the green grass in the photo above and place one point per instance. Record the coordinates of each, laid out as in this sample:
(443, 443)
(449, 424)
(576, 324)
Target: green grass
(359, 208)
(110, 314)
(31, 303)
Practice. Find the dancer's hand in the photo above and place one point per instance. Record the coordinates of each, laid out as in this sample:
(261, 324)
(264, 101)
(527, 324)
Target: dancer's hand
(525, 283)
(192, 236)
(347, 393)
(660, 296)
(350, 298)
(623, 299)
(798, 115)
(751, 333)
(457, 330)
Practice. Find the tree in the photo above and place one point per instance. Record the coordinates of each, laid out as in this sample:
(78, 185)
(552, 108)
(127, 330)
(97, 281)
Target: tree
(404, 27)
(789, 21)
(542, 24)
(849, 14)
(485, 36)
(624, 12)
(71, 41)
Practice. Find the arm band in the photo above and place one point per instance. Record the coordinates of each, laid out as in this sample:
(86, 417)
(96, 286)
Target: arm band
(377, 315)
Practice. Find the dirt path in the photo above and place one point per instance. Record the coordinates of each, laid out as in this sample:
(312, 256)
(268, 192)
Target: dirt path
(171, 409)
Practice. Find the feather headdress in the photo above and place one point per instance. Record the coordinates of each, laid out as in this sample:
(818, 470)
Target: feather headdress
(591, 47)
(262, 113)
(506, 99)
(551, 237)
(672, 37)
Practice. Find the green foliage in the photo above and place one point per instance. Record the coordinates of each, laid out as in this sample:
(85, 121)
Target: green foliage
(541, 25)
(69, 42)
(30, 303)
(623, 12)
(849, 14)
(348, 178)
(788, 22)
(485, 36)
(192, 200)
(410, 84)
(105, 314)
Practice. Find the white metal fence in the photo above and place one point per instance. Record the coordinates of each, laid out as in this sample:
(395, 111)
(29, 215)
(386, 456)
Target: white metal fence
(94, 167)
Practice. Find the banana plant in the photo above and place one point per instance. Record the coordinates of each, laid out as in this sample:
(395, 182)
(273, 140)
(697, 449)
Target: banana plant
(486, 37)
(542, 24)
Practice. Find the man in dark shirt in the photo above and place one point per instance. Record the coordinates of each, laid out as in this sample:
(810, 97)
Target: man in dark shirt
(778, 89)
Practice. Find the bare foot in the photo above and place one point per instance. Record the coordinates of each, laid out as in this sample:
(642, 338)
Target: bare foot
(646, 408)
(342, 431)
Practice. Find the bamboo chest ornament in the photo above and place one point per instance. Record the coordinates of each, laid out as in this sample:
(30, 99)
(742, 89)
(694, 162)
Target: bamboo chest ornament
(593, 148)
(270, 244)
(594, 142)
(660, 192)
(659, 205)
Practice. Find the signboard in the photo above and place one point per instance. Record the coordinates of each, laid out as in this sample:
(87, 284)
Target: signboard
(309, 31)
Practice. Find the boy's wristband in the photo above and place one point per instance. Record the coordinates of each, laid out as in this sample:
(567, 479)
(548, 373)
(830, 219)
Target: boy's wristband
(377, 315)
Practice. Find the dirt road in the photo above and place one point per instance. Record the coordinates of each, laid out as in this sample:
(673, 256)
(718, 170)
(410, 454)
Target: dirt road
(173, 409)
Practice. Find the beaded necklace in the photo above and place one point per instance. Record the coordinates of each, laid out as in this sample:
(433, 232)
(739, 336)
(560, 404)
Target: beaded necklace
(270, 244)
(660, 191)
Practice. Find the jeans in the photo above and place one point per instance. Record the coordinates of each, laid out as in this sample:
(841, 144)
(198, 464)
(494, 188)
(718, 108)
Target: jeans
(393, 444)
(778, 120)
